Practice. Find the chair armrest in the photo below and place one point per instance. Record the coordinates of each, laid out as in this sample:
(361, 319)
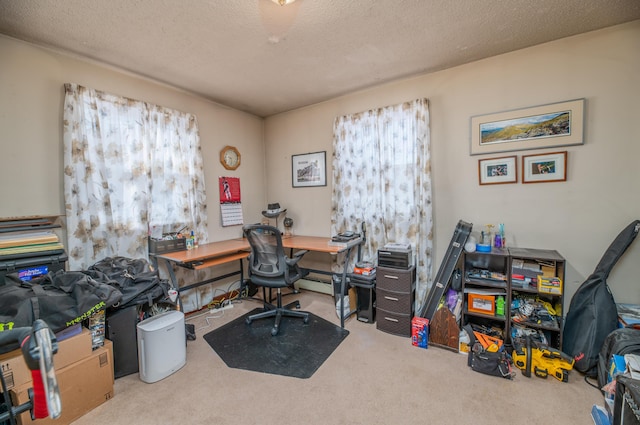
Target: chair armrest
(296, 257)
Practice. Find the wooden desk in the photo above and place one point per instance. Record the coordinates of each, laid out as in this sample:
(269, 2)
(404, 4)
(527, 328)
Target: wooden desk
(316, 243)
(320, 244)
(207, 255)
(222, 252)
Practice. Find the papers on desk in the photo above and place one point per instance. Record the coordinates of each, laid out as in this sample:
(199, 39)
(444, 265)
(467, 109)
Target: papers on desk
(340, 244)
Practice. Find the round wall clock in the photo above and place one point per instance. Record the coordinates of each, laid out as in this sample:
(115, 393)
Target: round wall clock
(230, 157)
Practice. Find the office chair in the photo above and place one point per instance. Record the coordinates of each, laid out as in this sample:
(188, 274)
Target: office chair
(269, 267)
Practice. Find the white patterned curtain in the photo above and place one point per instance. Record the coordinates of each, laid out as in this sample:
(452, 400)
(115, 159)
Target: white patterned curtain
(128, 166)
(382, 177)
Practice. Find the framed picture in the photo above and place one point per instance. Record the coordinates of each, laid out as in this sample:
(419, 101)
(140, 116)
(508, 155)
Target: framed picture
(545, 126)
(547, 167)
(309, 169)
(498, 170)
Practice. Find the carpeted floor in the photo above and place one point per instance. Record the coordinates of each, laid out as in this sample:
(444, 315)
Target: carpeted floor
(372, 378)
(297, 350)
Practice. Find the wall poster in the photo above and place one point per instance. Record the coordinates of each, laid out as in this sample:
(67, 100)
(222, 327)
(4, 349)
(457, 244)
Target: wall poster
(230, 201)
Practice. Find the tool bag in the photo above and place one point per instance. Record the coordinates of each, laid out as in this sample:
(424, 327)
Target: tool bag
(135, 278)
(497, 363)
(61, 299)
(592, 313)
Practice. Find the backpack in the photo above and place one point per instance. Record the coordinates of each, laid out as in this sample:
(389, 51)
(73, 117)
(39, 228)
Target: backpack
(621, 341)
(592, 312)
(135, 278)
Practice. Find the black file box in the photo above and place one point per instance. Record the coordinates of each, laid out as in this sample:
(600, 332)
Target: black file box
(366, 296)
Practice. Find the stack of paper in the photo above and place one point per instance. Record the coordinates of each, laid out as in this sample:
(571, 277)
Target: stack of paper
(28, 242)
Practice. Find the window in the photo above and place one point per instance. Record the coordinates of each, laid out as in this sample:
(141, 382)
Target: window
(128, 166)
(382, 177)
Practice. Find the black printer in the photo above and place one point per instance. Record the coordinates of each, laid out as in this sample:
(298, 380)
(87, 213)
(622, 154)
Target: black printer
(396, 256)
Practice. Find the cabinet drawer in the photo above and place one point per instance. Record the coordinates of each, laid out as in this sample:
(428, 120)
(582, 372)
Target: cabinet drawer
(395, 280)
(398, 302)
(393, 323)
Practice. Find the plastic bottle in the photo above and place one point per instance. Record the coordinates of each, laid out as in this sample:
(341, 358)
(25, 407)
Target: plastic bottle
(189, 241)
(463, 342)
(500, 306)
(497, 240)
(194, 243)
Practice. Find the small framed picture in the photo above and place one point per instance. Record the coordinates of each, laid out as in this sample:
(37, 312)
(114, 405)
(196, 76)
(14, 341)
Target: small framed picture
(544, 168)
(309, 169)
(498, 170)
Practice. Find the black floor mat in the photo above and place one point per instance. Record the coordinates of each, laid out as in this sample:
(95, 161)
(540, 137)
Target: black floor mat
(298, 349)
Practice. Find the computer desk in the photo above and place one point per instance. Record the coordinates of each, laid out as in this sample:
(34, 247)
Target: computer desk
(217, 253)
(320, 244)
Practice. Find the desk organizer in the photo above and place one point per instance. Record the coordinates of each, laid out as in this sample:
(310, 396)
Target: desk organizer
(170, 245)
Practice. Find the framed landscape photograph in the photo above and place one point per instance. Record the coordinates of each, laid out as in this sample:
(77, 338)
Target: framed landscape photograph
(309, 169)
(545, 126)
(547, 167)
(498, 170)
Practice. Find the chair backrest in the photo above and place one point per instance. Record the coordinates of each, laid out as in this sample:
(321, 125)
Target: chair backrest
(267, 261)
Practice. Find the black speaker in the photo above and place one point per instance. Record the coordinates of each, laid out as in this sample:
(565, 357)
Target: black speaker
(121, 331)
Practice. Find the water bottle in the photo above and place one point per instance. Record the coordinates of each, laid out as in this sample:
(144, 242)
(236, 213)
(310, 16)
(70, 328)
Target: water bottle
(497, 241)
(500, 306)
(189, 241)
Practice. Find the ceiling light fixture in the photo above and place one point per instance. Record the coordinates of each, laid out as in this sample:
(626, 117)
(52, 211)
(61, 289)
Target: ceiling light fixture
(283, 2)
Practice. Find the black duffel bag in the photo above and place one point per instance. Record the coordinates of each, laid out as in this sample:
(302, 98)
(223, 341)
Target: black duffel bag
(135, 278)
(60, 298)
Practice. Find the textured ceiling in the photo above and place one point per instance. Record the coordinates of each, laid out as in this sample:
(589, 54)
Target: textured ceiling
(256, 56)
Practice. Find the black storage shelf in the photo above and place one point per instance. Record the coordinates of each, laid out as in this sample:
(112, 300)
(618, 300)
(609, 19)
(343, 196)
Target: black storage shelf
(486, 316)
(527, 289)
(500, 262)
(487, 283)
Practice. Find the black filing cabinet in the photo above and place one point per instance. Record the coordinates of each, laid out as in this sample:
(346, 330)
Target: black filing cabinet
(395, 294)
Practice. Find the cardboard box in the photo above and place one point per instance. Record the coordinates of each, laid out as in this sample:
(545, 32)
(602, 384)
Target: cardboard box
(70, 350)
(84, 385)
(420, 332)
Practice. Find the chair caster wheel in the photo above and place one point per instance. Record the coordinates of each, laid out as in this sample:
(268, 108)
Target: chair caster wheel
(247, 321)
(274, 331)
(298, 306)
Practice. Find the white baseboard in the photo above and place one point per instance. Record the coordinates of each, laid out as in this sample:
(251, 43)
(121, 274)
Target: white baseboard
(312, 285)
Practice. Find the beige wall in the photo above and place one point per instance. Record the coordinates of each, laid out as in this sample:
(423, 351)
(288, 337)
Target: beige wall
(579, 217)
(32, 94)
